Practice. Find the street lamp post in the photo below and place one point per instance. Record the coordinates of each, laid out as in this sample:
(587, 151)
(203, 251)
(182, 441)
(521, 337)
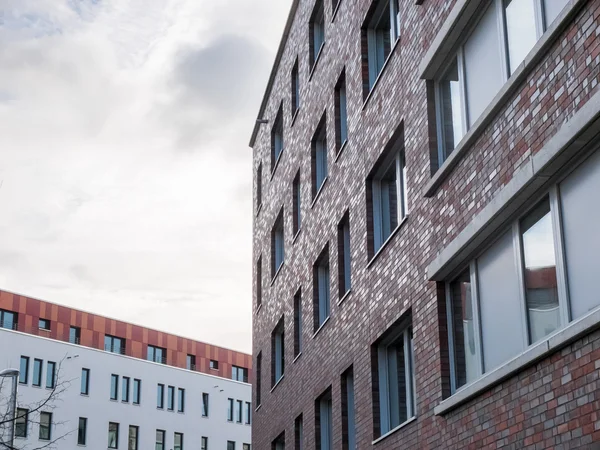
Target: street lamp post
(14, 374)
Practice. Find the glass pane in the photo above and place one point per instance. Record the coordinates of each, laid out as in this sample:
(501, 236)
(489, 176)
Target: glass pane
(552, 9)
(520, 30)
(451, 111)
(540, 273)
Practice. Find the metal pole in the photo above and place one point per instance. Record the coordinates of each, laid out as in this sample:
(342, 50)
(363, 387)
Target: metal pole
(13, 411)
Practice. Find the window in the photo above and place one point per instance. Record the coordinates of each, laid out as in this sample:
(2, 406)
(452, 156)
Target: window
(381, 30)
(171, 398)
(319, 157)
(452, 124)
(259, 282)
(21, 420)
(160, 440)
(248, 413)
(85, 381)
(157, 354)
(114, 344)
(45, 433)
(180, 400)
(204, 404)
(278, 353)
(298, 323)
(393, 396)
(160, 396)
(297, 204)
(295, 89)
(114, 387)
(190, 362)
(230, 445)
(245, 446)
(44, 324)
(316, 31)
(298, 433)
(214, 364)
(37, 372)
(178, 439)
(239, 411)
(132, 441)
(258, 378)
(279, 442)
(344, 279)
(113, 435)
(125, 389)
(230, 409)
(321, 302)
(277, 139)
(277, 244)
(203, 443)
(348, 423)
(51, 375)
(323, 422)
(239, 374)
(8, 319)
(137, 391)
(82, 431)
(24, 370)
(341, 113)
(75, 335)
(259, 187)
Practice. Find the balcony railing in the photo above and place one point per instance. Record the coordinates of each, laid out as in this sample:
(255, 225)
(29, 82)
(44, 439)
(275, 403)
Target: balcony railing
(119, 350)
(9, 325)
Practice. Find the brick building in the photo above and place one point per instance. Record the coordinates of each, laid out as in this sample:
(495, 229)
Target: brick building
(427, 181)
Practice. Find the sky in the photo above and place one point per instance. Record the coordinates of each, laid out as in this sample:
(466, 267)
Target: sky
(125, 171)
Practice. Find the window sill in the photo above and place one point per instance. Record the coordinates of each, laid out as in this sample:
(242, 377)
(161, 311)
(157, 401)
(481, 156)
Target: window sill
(258, 209)
(314, 65)
(296, 358)
(294, 116)
(296, 235)
(276, 164)
(277, 273)
(335, 10)
(398, 428)
(345, 296)
(380, 74)
(541, 350)
(499, 101)
(339, 152)
(258, 308)
(318, 194)
(257, 408)
(321, 327)
(278, 383)
(387, 241)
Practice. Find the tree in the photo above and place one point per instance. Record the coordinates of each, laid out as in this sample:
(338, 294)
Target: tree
(24, 421)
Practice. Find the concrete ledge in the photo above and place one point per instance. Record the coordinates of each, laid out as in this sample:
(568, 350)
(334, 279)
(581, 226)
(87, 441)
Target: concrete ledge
(567, 145)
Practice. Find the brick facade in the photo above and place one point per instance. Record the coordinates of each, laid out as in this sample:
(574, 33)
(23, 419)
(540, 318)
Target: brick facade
(553, 402)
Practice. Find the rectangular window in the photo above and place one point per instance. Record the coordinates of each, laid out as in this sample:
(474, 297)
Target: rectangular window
(157, 354)
(316, 31)
(258, 378)
(178, 441)
(82, 431)
(297, 204)
(523, 28)
(24, 370)
(451, 109)
(132, 441)
(277, 244)
(37, 372)
(239, 374)
(230, 445)
(321, 294)
(344, 278)
(113, 435)
(160, 440)
(160, 396)
(114, 344)
(277, 139)
(114, 387)
(298, 323)
(248, 413)
(259, 282)
(75, 335)
(394, 393)
(278, 352)
(230, 409)
(51, 375)
(137, 391)
(259, 187)
(295, 89)
(190, 362)
(204, 404)
(170, 398)
(279, 442)
(85, 381)
(319, 157)
(298, 433)
(203, 443)
(44, 324)
(348, 422)
(8, 319)
(45, 426)
(245, 446)
(125, 389)
(323, 421)
(214, 364)
(21, 420)
(180, 400)
(239, 411)
(341, 113)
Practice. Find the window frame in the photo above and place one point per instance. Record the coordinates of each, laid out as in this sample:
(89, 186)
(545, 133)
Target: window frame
(47, 427)
(324, 422)
(348, 407)
(316, 29)
(180, 400)
(204, 443)
(77, 338)
(258, 379)
(277, 139)
(39, 364)
(116, 431)
(239, 411)
(160, 396)
(341, 112)
(137, 437)
(297, 203)
(278, 352)
(14, 321)
(162, 435)
(175, 436)
(295, 100)
(125, 385)
(44, 324)
(50, 375)
(248, 414)
(319, 157)
(277, 244)
(205, 404)
(170, 398)
(22, 413)
(156, 354)
(190, 362)
(298, 328)
(322, 289)
(344, 256)
(230, 405)
(112, 340)
(85, 387)
(114, 387)
(299, 432)
(24, 374)
(137, 392)
(82, 431)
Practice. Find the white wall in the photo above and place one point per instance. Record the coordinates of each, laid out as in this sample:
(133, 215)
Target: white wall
(100, 410)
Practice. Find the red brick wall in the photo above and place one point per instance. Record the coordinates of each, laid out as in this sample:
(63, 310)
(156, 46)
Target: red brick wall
(94, 327)
(555, 400)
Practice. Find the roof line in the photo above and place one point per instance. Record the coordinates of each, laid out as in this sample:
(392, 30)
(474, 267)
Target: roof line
(278, 56)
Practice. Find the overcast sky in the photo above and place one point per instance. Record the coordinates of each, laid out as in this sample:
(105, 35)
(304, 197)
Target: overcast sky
(125, 172)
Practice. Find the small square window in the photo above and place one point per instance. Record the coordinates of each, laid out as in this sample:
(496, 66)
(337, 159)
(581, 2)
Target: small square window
(214, 364)
(321, 287)
(316, 31)
(44, 324)
(319, 157)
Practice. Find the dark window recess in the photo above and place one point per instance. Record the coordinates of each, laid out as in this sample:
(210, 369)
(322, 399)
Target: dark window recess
(316, 31)
(341, 112)
(343, 241)
(277, 244)
(321, 289)
(318, 164)
(277, 139)
(277, 352)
